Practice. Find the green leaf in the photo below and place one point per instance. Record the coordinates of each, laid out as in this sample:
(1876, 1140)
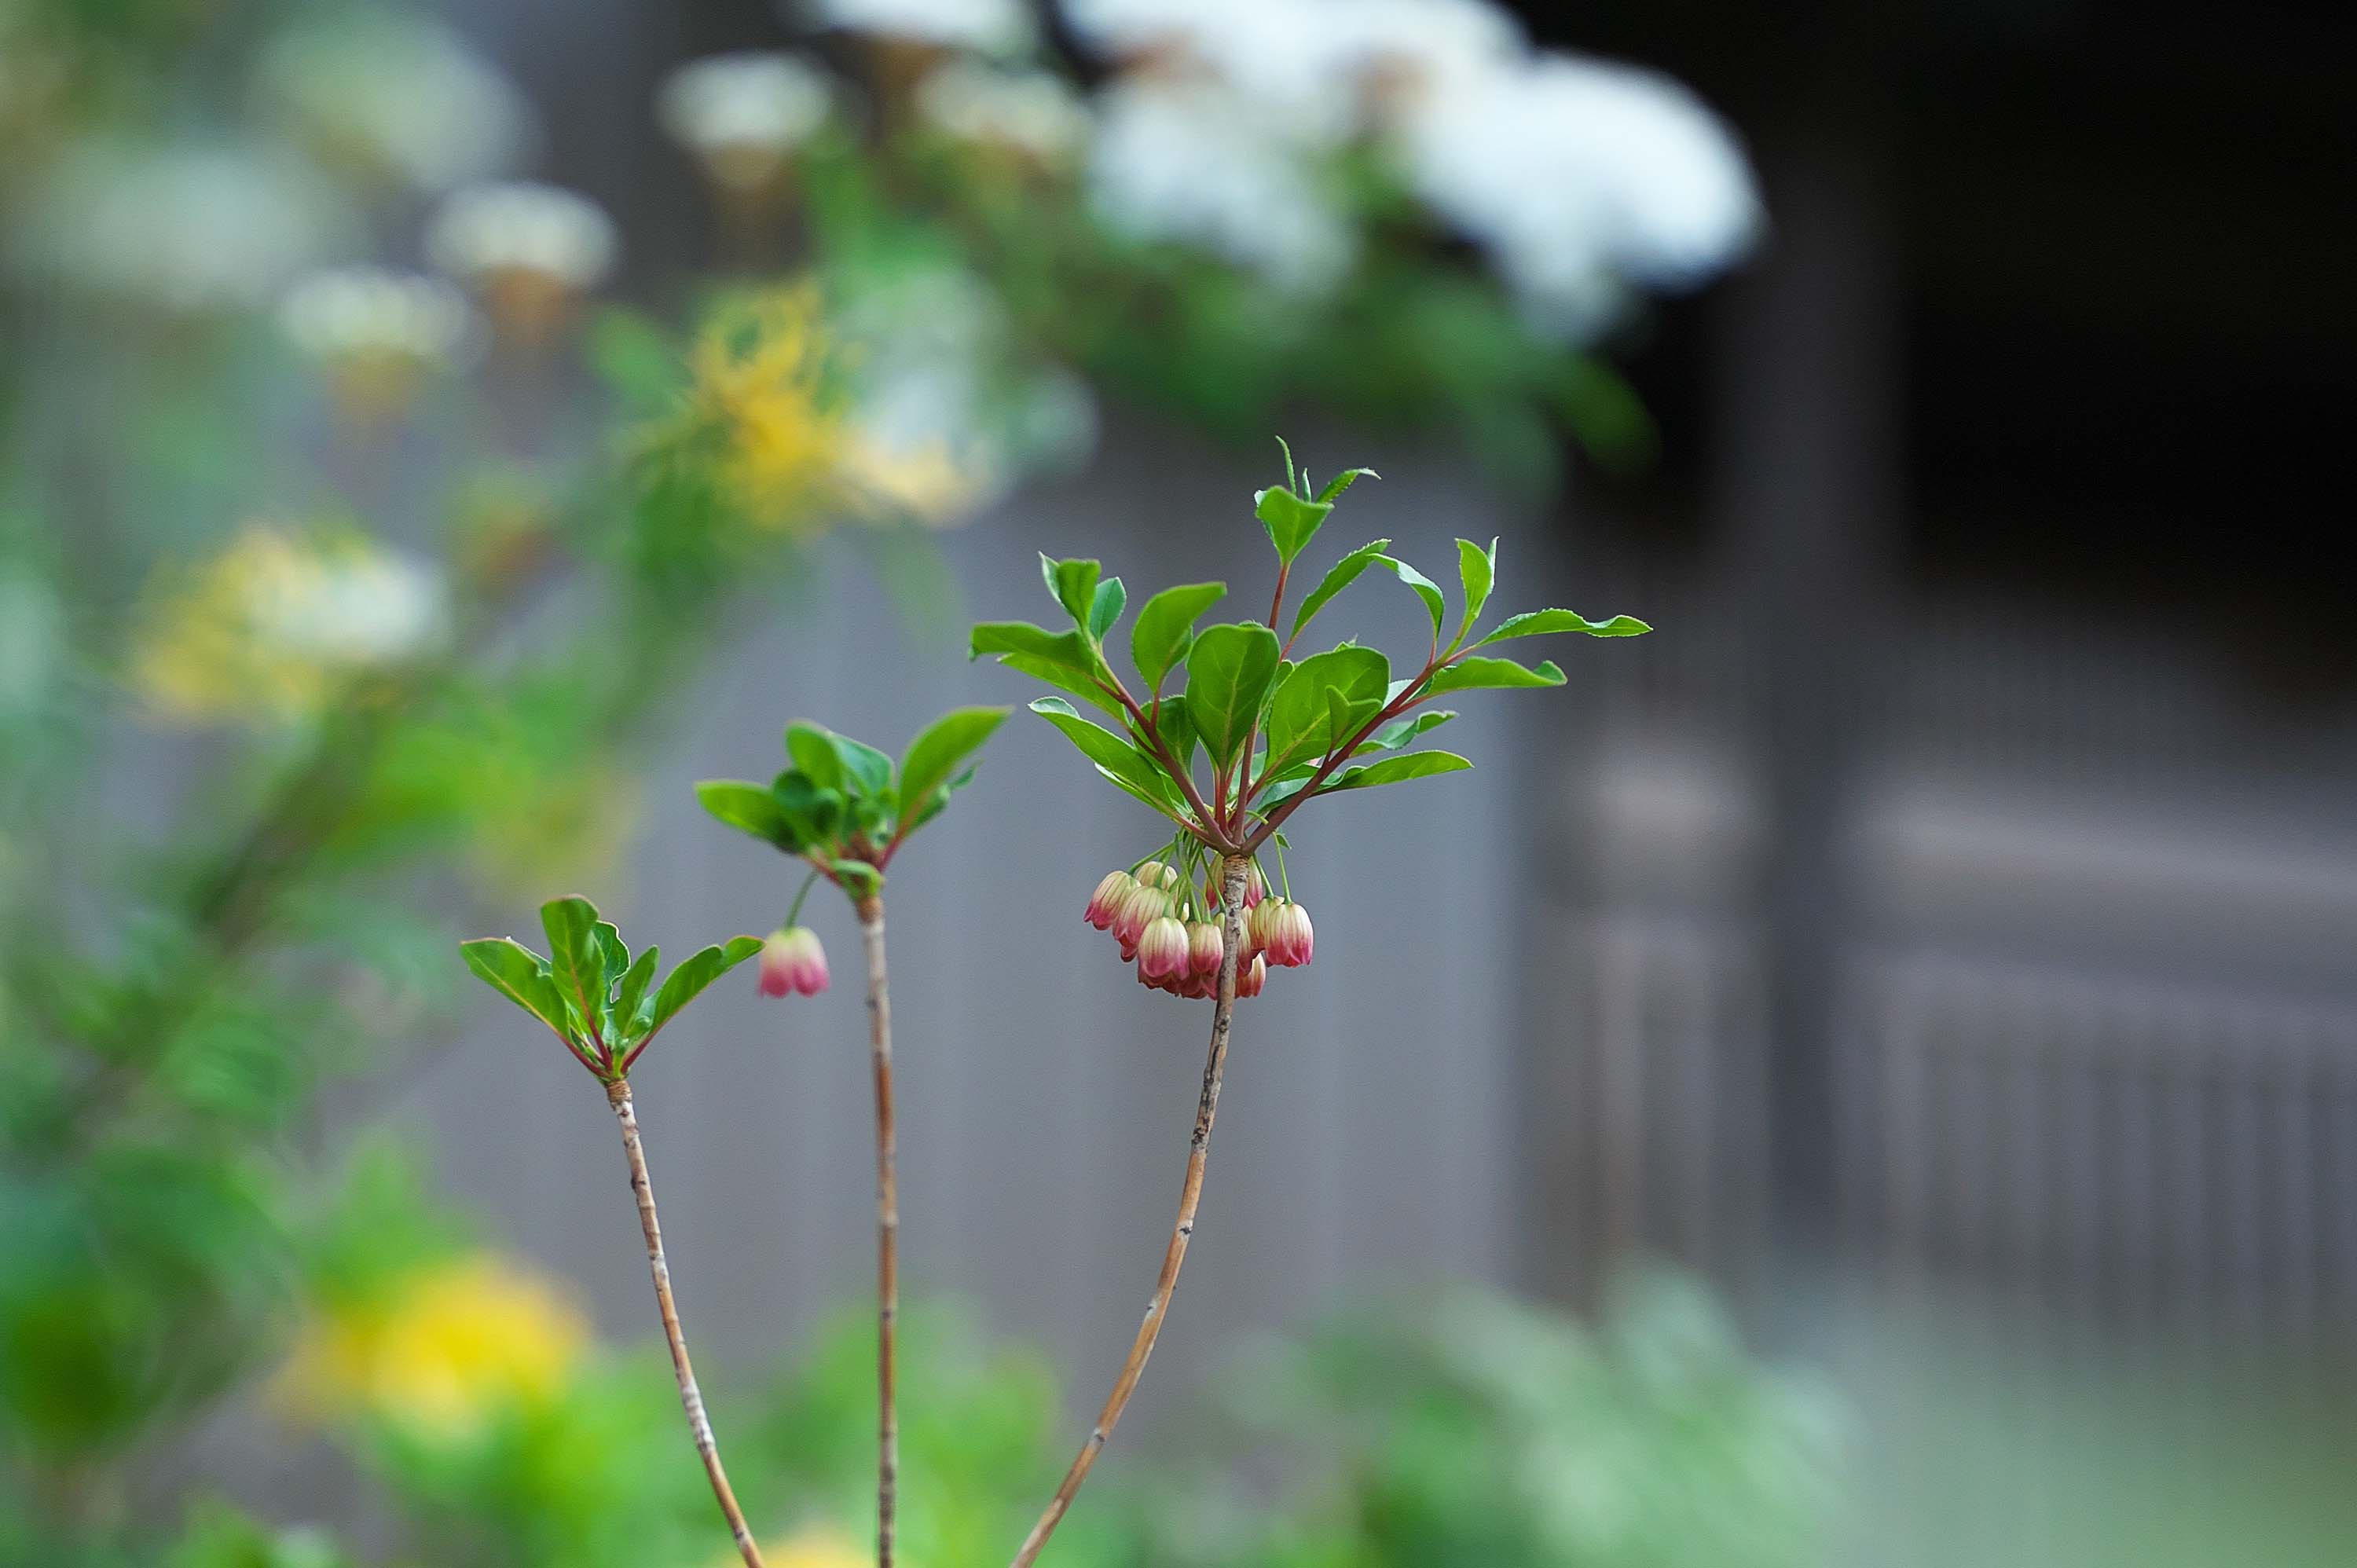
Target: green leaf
(1291, 483)
(812, 815)
(632, 995)
(938, 749)
(1470, 674)
(1396, 771)
(1077, 681)
(1399, 732)
(1072, 583)
(573, 955)
(1341, 575)
(866, 770)
(811, 748)
(1227, 675)
(1426, 588)
(1290, 520)
(1538, 623)
(1158, 638)
(1476, 569)
(1301, 719)
(695, 972)
(747, 807)
(1175, 725)
(1161, 805)
(1105, 608)
(1119, 760)
(1067, 648)
(1343, 481)
(517, 974)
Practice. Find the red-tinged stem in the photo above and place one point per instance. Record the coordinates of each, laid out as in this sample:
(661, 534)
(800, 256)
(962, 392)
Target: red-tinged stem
(1275, 605)
(1190, 1193)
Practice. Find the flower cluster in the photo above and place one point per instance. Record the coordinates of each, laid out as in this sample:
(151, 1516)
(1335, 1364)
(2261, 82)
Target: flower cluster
(1173, 934)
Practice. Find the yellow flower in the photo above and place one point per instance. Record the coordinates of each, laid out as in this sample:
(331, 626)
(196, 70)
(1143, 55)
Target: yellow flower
(762, 372)
(452, 1346)
(276, 624)
(925, 484)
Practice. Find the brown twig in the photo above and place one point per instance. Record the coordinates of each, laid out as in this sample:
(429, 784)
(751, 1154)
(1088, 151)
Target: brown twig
(887, 1234)
(1191, 1191)
(699, 1424)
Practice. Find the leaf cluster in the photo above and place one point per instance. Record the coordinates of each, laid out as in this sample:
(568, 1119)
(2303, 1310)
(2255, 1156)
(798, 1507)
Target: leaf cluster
(593, 994)
(847, 807)
(1271, 729)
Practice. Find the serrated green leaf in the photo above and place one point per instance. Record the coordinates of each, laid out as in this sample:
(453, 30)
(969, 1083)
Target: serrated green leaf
(811, 748)
(747, 807)
(1228, 675)
(1539, 622)
(1158, 638)
(1119, 758)
(1291, 521)
(1471, 674)
(1291, 483)
(1343, 481)
(938, 749)
(1300, 721)
(1396, 771)
(517, 974)
(1477, 570)
(1072, 583)
(695, 972)
(1107, 607)
(812, 816)
(1339, 576)
(1427, 589)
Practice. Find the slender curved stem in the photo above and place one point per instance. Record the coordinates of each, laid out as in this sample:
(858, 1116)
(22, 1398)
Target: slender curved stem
(888, 1235)
(1190, 1192)
(699, 1424)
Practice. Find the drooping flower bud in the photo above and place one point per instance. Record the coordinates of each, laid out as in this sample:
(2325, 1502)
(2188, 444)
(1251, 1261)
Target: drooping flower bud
(1162, 950)
(1255, 886)
(1204, 946)
(1107, 898)
(1154, 874)
(1252, 977)
(792, 960)
(1139, 905)
(1287, 936)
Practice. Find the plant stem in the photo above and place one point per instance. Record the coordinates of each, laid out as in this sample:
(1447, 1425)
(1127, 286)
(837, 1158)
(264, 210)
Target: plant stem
(699, 1424)
(887, 1234)
(1190, 1192)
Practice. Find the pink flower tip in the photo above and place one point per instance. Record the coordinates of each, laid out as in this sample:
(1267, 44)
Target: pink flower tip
(1204, 948)
(792, 961)
(1252, 977)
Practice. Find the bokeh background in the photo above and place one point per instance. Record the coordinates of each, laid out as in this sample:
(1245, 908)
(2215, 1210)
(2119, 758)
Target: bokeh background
(1866, 1074)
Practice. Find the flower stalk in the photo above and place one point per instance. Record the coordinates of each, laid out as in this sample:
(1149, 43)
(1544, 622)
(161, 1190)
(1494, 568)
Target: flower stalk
(699, 1423)
(1183, 1230)
(870, 910)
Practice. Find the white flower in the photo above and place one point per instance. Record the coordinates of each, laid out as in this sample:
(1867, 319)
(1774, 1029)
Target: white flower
(398, 93)
(354, 609)
(339, 312)
(187, 227)
(1189, 161)
(523, 227)
(1029, 111)
(993, 27)
(741, 108)
(1582, 177)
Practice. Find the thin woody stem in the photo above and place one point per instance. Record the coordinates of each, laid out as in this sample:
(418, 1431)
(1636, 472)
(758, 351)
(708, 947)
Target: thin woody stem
(1190, 1192)
(888, 1235)
(699, 1424)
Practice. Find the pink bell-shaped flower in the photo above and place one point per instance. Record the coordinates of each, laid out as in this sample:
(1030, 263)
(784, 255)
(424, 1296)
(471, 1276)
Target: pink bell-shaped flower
(1252, 976)
(1162, 948)
(1106, 899)
(1204, 946)
(1287, 936)
(792, 960)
